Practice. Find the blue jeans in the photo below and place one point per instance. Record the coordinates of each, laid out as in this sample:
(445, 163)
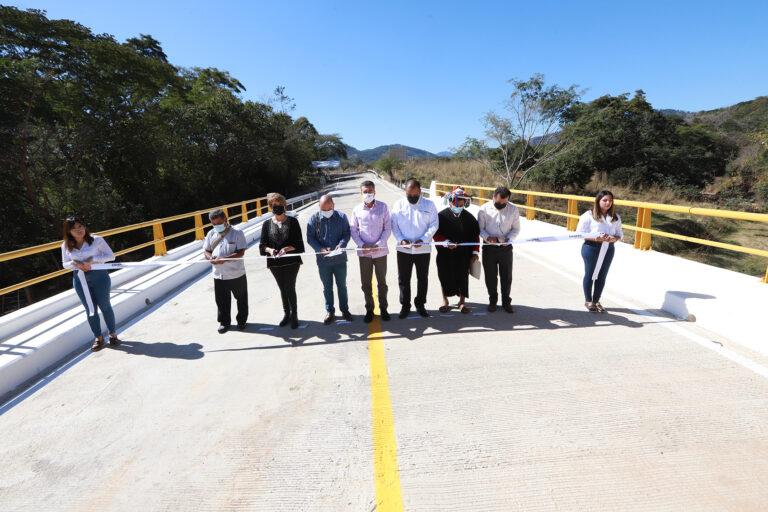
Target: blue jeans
(589, 254)
(99, 285)
(327, 274)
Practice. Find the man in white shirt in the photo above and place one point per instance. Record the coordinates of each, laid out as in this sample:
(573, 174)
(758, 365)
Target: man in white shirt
(223, 242)
(414, 223)
(499, 222)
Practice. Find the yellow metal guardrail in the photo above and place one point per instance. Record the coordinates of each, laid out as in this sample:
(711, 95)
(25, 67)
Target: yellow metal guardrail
(643, 224)
(158, 240)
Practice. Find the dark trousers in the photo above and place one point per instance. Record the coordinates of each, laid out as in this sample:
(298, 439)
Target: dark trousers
(285, 277)
(367, 267)
(405, 263)
(224, 289)
(590, 252)
(99, 286)
(497, 261)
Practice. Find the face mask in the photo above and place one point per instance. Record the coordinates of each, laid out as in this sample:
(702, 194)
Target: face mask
(413, 199)
(457, 209)
(278, 209)
(220, 228)
(499, 206)
(368, 198)
(327, 213)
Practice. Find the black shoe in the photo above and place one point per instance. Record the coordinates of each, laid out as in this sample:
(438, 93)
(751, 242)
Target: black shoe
(328, 318)
(223, 328)
(423, 312)
(241, 326)
(368, 318)
(285, 320)
(492, 308)
(294, 321)
(385, 316)
(404, 313)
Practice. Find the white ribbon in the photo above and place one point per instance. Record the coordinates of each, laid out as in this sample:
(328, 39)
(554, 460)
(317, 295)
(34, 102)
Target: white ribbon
(600, 257)
(335, 252)
(90, 308)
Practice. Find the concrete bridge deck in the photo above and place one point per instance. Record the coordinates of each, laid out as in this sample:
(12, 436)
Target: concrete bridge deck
(551, 408)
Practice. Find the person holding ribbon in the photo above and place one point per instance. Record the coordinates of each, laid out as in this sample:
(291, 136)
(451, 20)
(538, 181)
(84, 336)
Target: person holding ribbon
(370, 227)
(78, 251)
(282, 241)
(458, 228)
(224, 246)
(499, 222)
(597, 252)
(328, 234)
(414, 223)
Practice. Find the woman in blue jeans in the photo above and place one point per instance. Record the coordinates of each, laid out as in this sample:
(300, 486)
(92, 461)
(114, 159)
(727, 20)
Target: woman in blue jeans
(603, 222)
(79, 250)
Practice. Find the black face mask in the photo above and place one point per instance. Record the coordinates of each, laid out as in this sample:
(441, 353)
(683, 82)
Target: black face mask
(413, 199)
(499, 206)
(278, 209)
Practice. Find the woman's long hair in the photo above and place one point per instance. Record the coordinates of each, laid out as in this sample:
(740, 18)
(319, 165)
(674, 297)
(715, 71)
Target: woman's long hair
(597, 212)
(69, 240)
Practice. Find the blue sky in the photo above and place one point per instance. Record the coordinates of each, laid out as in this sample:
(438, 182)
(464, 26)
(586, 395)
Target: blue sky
(424, 73)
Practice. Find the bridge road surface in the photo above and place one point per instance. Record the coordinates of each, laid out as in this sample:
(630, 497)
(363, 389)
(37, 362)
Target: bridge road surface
(551, 408)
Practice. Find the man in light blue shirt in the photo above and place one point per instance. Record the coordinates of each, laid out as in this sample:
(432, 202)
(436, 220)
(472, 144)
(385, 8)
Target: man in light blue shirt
(414, 223)
(327, 231)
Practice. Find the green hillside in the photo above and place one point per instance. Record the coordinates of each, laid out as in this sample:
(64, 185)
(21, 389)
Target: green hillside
(746, 126)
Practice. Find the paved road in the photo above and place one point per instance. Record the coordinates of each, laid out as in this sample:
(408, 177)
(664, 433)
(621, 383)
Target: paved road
(547, 409)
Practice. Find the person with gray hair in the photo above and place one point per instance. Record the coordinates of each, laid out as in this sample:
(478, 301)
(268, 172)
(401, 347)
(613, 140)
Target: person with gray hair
(327, 232)
(224, 246)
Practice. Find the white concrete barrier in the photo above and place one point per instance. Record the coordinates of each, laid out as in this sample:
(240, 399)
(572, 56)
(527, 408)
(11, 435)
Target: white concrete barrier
(728, 303)
(37, 338)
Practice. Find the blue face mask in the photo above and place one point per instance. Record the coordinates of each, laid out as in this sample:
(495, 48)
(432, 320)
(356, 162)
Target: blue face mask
(456, 209)
(220, 227)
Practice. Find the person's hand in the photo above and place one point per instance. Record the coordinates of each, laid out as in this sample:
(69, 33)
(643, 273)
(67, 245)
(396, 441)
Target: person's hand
(418, 243)
(505, 243)
(451, 245)
(85, 266)
(325, 250)
(368, 248)
(405, 242)
(281, 252)
(492, 240)
(473, 259)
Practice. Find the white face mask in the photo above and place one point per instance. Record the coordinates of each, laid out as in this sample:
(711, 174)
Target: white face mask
(368, 198)
(327, 213)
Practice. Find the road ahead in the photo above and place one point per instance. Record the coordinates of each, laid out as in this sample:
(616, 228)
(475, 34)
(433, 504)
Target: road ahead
(551, 408)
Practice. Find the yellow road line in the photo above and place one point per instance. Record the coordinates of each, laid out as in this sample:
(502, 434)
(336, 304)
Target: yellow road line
(389, 497)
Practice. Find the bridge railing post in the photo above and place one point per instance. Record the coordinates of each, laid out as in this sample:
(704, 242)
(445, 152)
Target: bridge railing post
(573, 209)
(258, 207)
(160, 248)
(765, 279)
(245, 213)
(199, 233)
(643, 239)
(530, 214)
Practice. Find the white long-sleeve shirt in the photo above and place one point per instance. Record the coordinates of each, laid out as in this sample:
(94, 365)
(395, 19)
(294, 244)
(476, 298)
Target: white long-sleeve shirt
(502, 224)
(97, 252)
(414, 222)
(588, 224)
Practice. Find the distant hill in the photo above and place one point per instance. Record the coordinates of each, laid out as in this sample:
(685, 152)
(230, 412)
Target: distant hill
(371, 155)
(739, 119)
(445, 153)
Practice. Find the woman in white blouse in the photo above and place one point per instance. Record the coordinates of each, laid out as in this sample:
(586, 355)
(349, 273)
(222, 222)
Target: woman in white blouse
(602, 221)
(79, 250)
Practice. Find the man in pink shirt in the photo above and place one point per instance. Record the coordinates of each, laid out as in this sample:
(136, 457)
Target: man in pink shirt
(370, 226)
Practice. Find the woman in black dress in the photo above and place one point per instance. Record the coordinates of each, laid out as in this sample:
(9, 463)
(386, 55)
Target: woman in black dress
(456, 226)
(281, 239)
